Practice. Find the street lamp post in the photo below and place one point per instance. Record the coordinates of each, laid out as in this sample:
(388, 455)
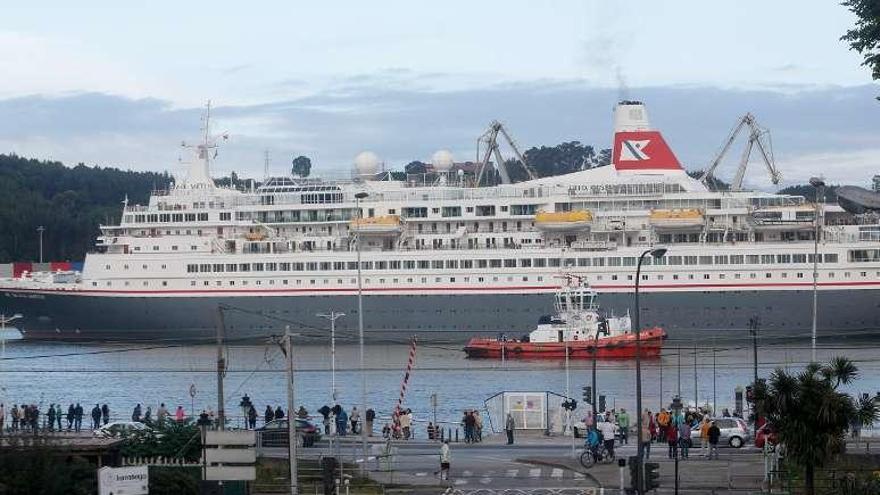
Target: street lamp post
(819, 186)
(360, 298)
(655, 253)
(41, 229)
(332, 316)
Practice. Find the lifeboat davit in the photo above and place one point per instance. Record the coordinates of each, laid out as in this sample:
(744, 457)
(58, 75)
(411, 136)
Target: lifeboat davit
(387, 224)
(562, 221)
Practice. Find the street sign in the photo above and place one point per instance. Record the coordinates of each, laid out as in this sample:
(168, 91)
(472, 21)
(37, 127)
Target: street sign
(230, 455)
(124, 481)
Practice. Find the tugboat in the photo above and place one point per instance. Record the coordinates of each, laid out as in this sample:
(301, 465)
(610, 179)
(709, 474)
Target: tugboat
(577, 326)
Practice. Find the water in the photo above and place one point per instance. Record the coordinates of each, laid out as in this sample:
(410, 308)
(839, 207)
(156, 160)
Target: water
(125, 374)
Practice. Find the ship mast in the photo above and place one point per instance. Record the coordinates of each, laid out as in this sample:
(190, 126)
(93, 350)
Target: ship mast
(199, 175)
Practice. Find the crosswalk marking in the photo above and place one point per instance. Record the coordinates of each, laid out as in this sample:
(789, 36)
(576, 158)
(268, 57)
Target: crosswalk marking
(556, 473)
(535, 473)
(511, 473)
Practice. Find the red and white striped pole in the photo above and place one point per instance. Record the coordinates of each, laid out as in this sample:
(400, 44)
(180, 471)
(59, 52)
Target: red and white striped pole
(403, 384)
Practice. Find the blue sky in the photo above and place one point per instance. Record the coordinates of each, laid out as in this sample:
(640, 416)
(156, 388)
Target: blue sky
(115, 84)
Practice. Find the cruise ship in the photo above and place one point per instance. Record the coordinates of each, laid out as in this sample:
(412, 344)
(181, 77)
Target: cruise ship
(451, 258)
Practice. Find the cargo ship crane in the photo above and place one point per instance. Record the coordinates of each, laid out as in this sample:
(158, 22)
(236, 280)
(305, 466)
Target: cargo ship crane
(490, 137)
(758, 136)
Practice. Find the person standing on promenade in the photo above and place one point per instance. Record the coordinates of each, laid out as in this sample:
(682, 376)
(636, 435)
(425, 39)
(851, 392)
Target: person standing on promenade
(714, 436)
(50, 415)
(96, 417)
(704, 436)
(684, 439)
(279, 413)
(136, 414)
(672, 440)
(478, 426)
(252, 417)
(445, 459)
(647, 426)
(162, 414)
(71, 412)
(58, 415)
(15, 414)
(78, 417)
(623, 423)
(355, 419)
(148, 417)
(105, 413)
(269, 415)
(509, 426)
(370, 417)
(607, 429)
(663, 424)
(180, 414)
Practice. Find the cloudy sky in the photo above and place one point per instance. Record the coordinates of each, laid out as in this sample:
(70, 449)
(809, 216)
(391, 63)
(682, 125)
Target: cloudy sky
(113, 84)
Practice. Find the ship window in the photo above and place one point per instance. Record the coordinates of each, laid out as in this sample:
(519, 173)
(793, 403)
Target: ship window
(674, 260)
(675, 277)
(244, 267)
(690, 260)
(284, 267)
(437, 264)
(218, 268)
(452, 264)
(352, 265)
(737, 275)
(540, 262)
(271, 267)
(629, 261)
(95, 284)
(496, 263)
(192, 283)
(768, 275)
(467, 264)
(298, 267)
(784, 275)
(258, 267)
(205, 268)
(189, 268)
(525, 263)
(365, 265)
(690, 276)
(598, 261)
(705, 276)
(553, 262)
(395, 264)
(482, 263)
(783, 258)
(753, 275)
(614, 277)
(510, 263)
(830, 258)
(736, 259)
(644, 277)
(325, 266)
(583, 261)
(164, 283)
(232, 282)
(721, 259)
(799, 258)
(752, 259)
(424, 264)
(658, 261)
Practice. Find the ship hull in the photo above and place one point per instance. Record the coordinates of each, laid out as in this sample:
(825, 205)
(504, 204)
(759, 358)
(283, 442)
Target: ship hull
(685, 315)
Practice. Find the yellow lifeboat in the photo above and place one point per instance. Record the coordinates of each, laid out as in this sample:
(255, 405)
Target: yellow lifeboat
(676, 218)
(387, 224)
(562, 221)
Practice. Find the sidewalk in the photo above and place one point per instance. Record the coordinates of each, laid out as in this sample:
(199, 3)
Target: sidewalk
(734, 472)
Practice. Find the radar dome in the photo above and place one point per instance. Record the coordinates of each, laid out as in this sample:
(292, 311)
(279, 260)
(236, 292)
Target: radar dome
(442, 161)
(366, 163)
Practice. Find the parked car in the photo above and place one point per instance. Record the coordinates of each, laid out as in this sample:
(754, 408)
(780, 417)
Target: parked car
(764, 432)
(121, 428)
(734, 432)
(274, 434)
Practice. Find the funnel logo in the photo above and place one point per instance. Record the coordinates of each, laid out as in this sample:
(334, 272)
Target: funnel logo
(631, 150)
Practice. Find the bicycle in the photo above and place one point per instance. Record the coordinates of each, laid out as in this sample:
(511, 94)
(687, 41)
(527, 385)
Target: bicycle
(588, 458)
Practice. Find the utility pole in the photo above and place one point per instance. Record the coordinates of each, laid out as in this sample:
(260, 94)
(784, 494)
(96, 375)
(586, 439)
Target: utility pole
(679, 371)
(332, 316)
(568, 397)
(41, 229)
(754, 323)
(360, 300)
(696, 394)
(714, 391)
(819, 185)
(221, 369)
(291, 422)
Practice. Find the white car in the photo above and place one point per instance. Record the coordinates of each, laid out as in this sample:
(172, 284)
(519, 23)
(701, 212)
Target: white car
(121, 428)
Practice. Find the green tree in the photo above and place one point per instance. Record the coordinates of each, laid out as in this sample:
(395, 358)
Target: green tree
(302, 166)
(811, 414)
(415, 167)
(865, 36)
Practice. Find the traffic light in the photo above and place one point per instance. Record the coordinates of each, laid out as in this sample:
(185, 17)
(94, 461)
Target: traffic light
(634, 467)
(601, 403)
(652, 476)
(569, 404)
(588, 394)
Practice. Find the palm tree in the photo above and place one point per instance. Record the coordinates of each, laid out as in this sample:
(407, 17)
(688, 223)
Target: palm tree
(810, 414)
